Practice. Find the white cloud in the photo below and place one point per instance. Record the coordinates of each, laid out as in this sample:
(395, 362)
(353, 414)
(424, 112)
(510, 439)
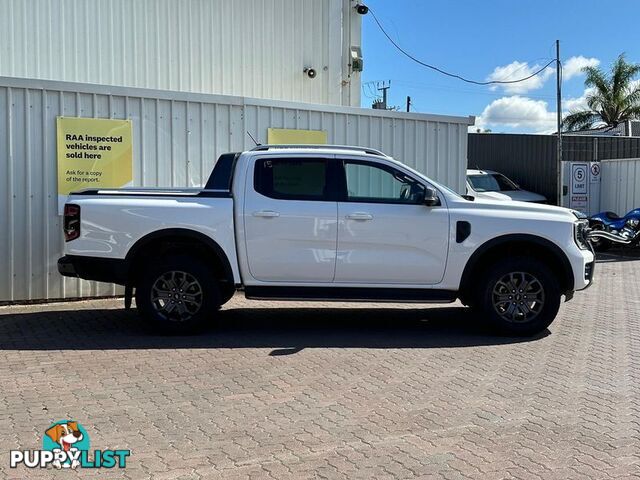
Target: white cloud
(516, 113)
(573, 66)
(577, 103)
(517, 70)
(524, 114)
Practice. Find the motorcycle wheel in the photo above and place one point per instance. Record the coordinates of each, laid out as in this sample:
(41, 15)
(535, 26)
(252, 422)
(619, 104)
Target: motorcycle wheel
(600, 244)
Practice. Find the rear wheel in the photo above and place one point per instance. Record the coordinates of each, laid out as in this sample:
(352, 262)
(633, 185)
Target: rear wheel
(179, 294)
(519, 296)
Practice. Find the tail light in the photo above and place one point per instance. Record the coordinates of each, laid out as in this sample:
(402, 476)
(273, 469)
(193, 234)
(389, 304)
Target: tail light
(71, 222)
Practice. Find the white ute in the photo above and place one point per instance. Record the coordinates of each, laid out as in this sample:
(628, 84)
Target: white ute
(495, 186)
(330, 223)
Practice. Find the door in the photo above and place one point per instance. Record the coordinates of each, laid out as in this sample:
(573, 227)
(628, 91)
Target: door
(386, 233)
(290, 220)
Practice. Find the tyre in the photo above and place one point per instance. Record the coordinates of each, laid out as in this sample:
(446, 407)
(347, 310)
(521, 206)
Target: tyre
(600, 244)
(519, 296)
(177, 295)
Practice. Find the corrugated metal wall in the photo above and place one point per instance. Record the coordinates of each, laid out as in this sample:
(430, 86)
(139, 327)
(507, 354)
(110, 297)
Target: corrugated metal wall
(432, 144)
(251, 48)
(531, 160)
(620, 185)
(177, 138)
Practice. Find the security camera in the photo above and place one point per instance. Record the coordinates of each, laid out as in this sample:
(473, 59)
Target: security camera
(311, 73)
(362, 9)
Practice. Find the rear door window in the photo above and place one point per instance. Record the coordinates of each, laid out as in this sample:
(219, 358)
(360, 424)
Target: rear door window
(292, 178)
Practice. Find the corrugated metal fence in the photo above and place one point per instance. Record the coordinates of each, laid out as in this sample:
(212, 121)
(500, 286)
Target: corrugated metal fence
(620, 185)
(525, 159)
(531, 160)
(177, 138)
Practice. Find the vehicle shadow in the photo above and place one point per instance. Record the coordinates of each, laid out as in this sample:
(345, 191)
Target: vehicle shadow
(286, 330)
(618, 255)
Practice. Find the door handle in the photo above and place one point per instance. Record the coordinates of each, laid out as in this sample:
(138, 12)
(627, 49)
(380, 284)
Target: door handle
(266, 214)
(360, 216)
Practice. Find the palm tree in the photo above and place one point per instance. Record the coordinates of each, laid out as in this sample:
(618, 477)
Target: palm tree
(614, 98)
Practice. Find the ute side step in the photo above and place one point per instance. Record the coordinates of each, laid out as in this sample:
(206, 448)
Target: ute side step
(353, 294)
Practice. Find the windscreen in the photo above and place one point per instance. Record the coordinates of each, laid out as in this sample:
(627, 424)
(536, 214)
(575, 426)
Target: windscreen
(491, 182)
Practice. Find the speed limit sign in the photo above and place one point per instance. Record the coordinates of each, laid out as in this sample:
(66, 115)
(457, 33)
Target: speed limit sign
(579, 178)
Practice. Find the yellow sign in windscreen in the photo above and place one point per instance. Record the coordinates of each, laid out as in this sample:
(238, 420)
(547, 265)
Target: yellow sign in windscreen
(285, 136)
(93, 153)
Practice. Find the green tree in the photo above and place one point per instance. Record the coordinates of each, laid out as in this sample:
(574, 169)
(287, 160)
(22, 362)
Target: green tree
(614, 97)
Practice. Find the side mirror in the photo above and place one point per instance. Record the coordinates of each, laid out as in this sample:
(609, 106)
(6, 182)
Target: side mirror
(431, 197)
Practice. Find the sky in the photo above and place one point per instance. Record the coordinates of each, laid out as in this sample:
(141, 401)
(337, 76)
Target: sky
(494, 39)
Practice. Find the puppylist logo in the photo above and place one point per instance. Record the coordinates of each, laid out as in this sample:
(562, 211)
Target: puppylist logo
(65, 444)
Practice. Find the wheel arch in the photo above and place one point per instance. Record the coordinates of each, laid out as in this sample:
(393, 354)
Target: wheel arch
(176, 239)
(529, 244)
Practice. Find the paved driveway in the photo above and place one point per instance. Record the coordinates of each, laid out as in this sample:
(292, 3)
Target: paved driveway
(286, 390)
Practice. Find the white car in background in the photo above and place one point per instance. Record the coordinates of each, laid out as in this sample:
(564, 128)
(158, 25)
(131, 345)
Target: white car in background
(492, 185)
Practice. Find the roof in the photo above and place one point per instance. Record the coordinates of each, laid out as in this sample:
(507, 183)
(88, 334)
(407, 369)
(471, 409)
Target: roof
(624, 129)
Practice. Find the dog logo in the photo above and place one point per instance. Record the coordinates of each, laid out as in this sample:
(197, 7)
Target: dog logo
(69, 437)
(65, 444)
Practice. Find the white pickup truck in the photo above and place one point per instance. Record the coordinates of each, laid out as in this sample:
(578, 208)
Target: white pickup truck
(325, 223)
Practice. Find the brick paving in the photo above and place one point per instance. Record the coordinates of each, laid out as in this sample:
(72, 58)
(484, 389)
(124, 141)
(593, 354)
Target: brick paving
(295, 391)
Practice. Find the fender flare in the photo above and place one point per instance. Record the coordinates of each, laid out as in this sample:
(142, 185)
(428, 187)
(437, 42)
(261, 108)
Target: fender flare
(183, 233)
(555, 250)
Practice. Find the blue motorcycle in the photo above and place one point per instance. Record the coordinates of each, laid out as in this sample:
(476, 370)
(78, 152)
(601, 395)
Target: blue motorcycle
(608, 228)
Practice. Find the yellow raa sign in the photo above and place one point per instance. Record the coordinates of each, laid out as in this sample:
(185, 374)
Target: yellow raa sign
(93, 153)
(285, 136)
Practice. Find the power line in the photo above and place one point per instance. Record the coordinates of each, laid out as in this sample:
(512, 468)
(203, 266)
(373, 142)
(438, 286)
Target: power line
(364, 92)
(430, 87)
(371, 89)
(449, 74)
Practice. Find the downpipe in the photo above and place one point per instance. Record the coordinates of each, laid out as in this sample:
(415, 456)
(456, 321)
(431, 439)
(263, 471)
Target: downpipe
(612, 237)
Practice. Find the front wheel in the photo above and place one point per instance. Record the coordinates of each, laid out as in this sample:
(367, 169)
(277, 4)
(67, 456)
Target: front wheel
(179, 294)
(600, 244)
(519, 296)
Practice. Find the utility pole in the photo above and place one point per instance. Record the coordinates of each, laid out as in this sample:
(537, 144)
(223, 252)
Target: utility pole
(408, 103)
(559, 126)
(384, 89)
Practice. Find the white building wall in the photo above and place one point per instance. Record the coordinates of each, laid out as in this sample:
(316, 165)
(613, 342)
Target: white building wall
(620, 185)
(254, 48)
(177, 138)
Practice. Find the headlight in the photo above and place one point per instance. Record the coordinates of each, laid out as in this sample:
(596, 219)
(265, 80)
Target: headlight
(580, 234)
(632, 223)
